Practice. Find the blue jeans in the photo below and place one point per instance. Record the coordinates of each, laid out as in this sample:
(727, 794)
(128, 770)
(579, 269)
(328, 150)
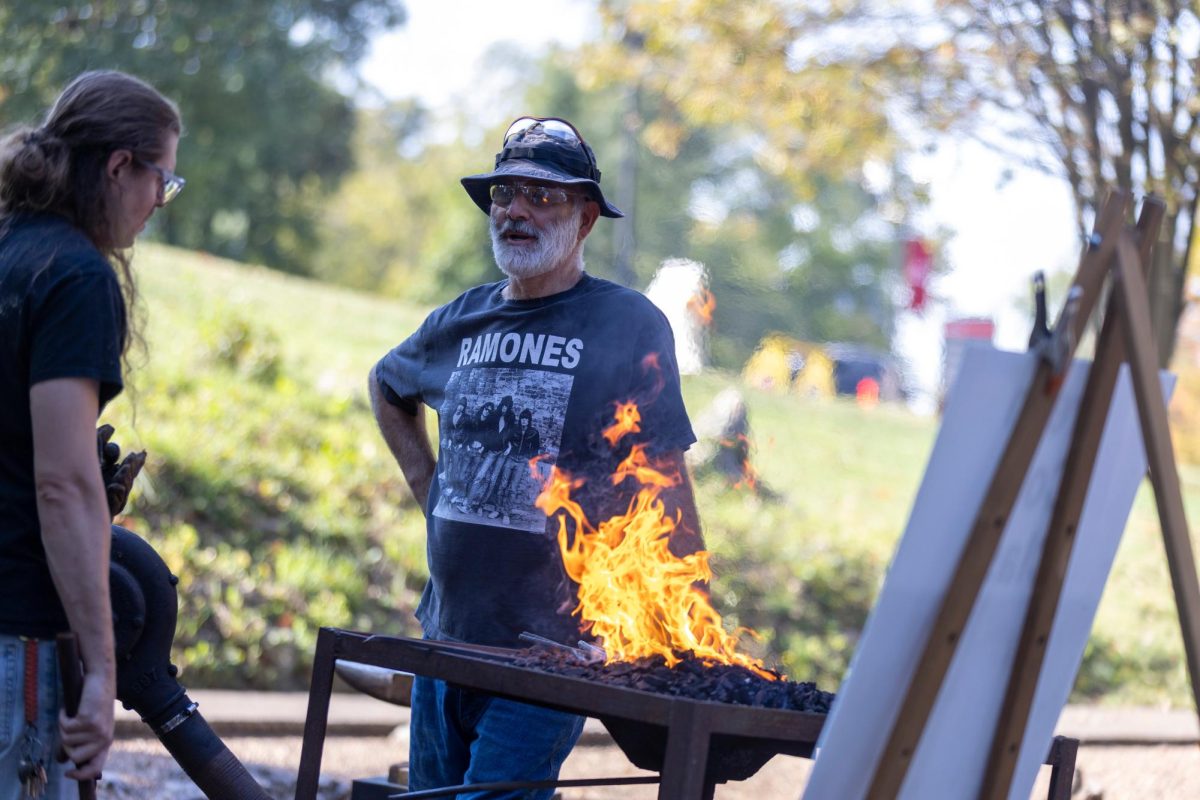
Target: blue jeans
(12, 719)
(458, 736)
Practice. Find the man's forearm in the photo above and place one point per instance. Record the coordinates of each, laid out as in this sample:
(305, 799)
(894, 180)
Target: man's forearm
(408, 441)
(73, 512)
(74, 520)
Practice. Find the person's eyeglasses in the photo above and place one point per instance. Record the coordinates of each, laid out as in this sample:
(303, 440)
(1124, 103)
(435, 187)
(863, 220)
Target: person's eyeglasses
(552, 126)
(538, 196)
(169, 184)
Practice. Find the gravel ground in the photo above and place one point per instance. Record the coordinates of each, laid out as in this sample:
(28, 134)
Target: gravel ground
(140, 768)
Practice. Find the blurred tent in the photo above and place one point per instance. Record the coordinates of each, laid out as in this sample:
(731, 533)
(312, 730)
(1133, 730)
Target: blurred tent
(856, 366)
(783, 364)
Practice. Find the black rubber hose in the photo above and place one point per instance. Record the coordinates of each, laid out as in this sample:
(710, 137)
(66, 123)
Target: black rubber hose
(207, 761)
(144, 605)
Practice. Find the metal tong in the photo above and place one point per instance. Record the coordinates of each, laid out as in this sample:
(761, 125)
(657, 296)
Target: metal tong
(586, 652)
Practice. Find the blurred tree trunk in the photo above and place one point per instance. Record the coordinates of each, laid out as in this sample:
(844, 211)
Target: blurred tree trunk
(626, 229)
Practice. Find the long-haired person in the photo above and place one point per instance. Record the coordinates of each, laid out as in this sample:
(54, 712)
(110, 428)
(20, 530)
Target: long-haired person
(75, 192)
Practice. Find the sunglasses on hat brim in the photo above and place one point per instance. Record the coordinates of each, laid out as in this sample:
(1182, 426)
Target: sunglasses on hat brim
(554, 127)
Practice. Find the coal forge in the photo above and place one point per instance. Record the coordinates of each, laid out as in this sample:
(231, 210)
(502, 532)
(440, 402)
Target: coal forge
(730, 757)
(661, 731)
(693, 678)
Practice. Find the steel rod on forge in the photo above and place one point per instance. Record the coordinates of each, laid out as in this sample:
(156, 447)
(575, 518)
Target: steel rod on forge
(508, 786)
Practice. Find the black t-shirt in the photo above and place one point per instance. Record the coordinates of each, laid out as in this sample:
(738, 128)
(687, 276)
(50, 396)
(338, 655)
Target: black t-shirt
(61, 316)
(541, 379)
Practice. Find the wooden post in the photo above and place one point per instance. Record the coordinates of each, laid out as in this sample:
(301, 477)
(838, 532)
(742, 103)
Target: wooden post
(1143, 363)
(689, 737)
(989, 524)
(1126, 337)
(1060, 536)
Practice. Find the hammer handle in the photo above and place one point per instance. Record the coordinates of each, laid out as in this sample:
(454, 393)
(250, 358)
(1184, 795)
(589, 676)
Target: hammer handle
(71, 671)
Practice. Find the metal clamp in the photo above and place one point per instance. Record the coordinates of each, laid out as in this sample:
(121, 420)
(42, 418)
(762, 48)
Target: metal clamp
(1056, 351)
(177, 720)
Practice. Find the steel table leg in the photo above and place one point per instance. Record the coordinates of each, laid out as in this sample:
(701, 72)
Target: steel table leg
(689, 733)
(1062, 767)
(319, 691)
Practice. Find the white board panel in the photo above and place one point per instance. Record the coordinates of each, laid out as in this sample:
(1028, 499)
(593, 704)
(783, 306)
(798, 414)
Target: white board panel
(950, 759)
(1087, 574)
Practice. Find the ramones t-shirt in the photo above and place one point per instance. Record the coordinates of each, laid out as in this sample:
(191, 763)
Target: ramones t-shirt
(61, 316)
(521, 386)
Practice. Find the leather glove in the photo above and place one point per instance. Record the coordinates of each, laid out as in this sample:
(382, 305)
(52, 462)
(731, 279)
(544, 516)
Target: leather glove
(118, 474)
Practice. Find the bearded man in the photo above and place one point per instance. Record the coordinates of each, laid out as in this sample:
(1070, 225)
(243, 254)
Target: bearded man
(568, 347)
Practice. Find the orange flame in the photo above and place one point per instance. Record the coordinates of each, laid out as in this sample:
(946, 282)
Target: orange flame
(636, 596)
(749, 477)
(626, 421)
(703, 303)
(650, 366)
(535, 471)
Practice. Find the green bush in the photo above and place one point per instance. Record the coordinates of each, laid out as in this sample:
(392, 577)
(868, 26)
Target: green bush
(276, 509)
(268, 490)
(236, 343)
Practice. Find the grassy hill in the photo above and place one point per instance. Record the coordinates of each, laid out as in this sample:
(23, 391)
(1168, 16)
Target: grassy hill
(270, 493)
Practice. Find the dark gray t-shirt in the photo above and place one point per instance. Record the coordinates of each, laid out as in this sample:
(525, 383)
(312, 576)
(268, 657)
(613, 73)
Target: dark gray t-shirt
(61, 316)
(514, 381)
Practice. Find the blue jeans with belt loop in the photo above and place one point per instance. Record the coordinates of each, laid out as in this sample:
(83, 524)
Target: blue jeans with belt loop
(458, 736)
(12, 719)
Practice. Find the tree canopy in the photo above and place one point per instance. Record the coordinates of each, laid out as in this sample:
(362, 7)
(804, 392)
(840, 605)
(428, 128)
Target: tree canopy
(263, 91)
(761, 145)
(757, 65)
(726, 131)
(401, 224)
(811, 252)
(1101, 93)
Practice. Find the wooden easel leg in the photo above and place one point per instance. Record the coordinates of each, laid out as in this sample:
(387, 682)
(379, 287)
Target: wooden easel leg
(1160, 454)
(1060, 536)
(920, 694)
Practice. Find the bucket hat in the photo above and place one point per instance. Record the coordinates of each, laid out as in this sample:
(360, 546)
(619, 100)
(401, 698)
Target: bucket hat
(543, 149)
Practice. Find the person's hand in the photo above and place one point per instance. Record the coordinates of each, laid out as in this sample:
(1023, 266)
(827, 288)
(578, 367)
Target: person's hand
(87, 736)
(118, 474)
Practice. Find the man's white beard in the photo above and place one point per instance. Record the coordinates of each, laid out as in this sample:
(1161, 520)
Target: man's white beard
(554, 243)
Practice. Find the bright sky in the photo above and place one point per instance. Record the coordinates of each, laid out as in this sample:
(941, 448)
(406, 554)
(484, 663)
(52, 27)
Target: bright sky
(1002, 233)
(436, 55)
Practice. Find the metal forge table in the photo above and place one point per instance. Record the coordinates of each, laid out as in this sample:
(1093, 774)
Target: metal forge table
(689, 731)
